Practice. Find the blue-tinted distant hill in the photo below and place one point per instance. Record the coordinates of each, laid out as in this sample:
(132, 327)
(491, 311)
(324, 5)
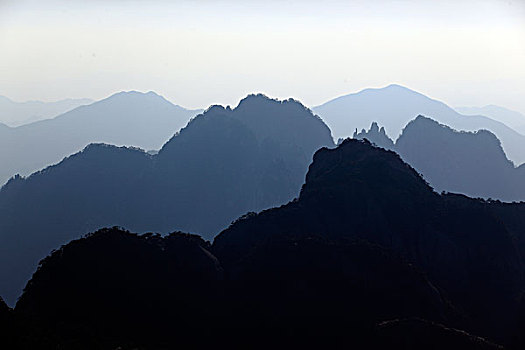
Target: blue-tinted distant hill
(471, 163)
(514, 119)
(394, 106)
(224, 163)
(19, 113)
(144, 120)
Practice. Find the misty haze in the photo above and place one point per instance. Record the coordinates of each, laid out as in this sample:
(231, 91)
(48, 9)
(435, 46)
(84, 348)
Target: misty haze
(262, 174)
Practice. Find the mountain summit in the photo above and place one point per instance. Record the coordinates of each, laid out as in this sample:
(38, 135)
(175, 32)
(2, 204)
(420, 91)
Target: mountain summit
(469, 249)
(471, 163)
(223, 164)
(394, 106)
(144, 120)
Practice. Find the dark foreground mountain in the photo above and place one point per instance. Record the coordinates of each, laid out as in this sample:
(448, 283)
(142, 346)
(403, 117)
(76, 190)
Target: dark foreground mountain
(367, 257)
(416, 333)
(223, 164)
(144, 120)
(470, 250)
(471, 163)
(114, 289)
(394, 106)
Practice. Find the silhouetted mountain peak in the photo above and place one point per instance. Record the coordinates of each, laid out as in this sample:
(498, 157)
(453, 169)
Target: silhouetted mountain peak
(216, 109)
(356, 164)
(394, 106)
(396, 87)
(260, 98)
(166, 278)
(360, 192)
(257, 98)
(423, 126)
(135, 97)
(472, 163)
(270, 120)
(121, 107)
(392, 89)
(268, 104)
(386, 92)
(375, 135)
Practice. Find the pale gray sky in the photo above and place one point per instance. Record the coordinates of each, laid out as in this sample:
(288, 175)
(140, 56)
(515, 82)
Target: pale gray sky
(197, 53)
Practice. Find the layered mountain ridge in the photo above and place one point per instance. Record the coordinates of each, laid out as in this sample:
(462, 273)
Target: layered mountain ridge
(471, 163)
(394, 106)
(511, 118)
(223, 164)
(144, 120)
(367, 256)
(19, 113)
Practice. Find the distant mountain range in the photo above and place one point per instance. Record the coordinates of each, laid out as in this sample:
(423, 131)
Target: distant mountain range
(471, 163)
(19, 113)
(144, 120)
(511, 118)
(223, 164)
(368, 256)
(394, 106)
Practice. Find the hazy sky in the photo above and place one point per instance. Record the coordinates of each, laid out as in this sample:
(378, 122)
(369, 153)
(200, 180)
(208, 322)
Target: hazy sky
(197, 53)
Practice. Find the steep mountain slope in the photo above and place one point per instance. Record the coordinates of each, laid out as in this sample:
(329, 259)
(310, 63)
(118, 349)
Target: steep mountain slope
(18, 113)
(514, 119)
(223, 164)
(360, 192)
(127, 118)
(471, 163)
(394, 106)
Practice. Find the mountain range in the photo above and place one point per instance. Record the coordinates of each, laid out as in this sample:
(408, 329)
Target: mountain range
(19, 113)
(368, 256)
(224, 163)
(470, 250)
(361, 247)
(471, 163)
(514, 119)
(394, 106)
(144, 120)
